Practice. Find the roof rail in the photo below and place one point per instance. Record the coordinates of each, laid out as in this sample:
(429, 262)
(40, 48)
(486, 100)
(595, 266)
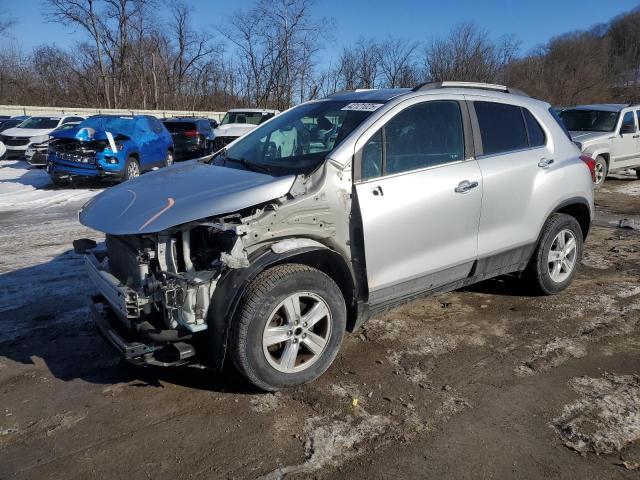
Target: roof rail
(478, 85)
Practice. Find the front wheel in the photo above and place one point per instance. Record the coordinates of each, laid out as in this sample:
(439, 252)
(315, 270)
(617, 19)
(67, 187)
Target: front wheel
(169, 160)
(601, 170)
(290, 327)
(131, 169)
(555, 261)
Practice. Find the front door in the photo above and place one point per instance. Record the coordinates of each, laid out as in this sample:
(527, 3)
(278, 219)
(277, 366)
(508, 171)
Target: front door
(419, 197)
(624, 146)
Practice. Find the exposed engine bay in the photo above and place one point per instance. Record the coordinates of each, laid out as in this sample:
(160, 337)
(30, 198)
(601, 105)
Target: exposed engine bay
(168, 278)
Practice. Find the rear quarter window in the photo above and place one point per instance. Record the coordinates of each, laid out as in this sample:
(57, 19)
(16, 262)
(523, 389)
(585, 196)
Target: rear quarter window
(502, 127)
(534, 130)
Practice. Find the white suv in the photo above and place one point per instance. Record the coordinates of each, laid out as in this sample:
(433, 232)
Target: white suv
(237, 122)
(328, 213)
(33, 130)
(608, 133)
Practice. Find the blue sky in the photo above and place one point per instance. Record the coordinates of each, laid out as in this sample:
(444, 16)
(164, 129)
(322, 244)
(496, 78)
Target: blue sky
(533, 22)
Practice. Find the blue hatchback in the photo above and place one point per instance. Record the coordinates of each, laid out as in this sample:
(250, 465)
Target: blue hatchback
(109, 146)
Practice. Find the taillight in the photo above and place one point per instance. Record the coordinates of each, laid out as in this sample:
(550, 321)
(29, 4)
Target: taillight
(591, 163)
(190, 133)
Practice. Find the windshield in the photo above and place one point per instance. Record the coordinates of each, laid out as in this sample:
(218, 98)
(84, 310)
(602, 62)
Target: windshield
(40, 122)
(117, 125)
(298, 140)
(590, 120)
(252, 118)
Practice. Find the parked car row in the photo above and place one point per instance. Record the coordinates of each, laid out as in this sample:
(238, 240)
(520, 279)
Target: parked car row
(116, 146)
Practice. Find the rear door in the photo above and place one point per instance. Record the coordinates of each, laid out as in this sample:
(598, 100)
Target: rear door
(419, 192)
(516, 160)
(624, 146)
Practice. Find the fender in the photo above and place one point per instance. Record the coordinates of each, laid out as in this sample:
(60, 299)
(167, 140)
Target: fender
(234, 282)
(599, 150)
(566, 203)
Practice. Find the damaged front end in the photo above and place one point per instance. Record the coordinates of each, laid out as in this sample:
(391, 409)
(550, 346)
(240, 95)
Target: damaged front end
(153, 289)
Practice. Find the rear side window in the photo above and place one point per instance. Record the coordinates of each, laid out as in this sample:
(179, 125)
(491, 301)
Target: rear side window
(502, 127)
(534, 130)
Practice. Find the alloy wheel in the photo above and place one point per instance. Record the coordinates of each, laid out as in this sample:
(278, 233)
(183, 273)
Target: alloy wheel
(562, 256)
(599, 173)
(133, 170)
(297, 332)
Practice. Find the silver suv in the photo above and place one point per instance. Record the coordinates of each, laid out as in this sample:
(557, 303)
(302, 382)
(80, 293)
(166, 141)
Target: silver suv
(608, 133)
(328, 213)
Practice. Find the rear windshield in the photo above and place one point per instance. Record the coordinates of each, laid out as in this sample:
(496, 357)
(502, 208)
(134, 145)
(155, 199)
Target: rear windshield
(178, 127)
(590, 120)
(41, 122)
(115, 125)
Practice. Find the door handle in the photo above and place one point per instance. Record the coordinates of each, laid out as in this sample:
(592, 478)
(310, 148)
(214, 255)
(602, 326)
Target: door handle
(465, 185)
(377, 191)
(545, 162)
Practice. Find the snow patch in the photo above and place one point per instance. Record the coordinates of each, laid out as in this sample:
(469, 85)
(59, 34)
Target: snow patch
(23, 187)
(607, 416)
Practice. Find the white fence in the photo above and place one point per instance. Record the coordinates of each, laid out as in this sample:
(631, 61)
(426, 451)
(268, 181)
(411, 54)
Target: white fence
(26, 110)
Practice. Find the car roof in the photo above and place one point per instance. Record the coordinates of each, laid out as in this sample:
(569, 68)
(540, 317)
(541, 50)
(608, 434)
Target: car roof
(453, 88)
(605, 107)
(255, 110)
(186, 119)
(369, 95)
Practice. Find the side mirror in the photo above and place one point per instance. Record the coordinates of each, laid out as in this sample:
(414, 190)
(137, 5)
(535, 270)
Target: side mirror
(628, 128)
(214, 124)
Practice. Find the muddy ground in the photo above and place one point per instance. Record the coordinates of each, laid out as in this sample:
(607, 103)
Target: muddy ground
(486, 382)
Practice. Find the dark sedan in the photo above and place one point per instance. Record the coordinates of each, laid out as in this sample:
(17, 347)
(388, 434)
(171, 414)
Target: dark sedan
(192, 137)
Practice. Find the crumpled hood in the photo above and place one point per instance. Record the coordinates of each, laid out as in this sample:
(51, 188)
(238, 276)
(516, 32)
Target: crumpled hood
(591, 137)
(179, 194)
(233, 129)
(84, 134)
(26, 132)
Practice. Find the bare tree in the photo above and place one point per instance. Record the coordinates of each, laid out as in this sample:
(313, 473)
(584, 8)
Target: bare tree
(397, 62)
(468, 54)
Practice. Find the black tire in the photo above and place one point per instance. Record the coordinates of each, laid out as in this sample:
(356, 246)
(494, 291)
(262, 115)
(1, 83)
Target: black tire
(601, 163)
(130, 167)
(169, 160)
(60, 182)
(638, 173)
(264, 294)
(538, 270)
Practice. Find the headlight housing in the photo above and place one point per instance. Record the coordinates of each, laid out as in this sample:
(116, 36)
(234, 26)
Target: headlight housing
(39, 139)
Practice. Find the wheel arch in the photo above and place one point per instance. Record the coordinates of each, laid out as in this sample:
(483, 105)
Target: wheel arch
(233, 284)
(579, 209)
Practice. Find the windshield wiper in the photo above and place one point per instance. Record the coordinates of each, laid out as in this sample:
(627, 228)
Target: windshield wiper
(248, 165)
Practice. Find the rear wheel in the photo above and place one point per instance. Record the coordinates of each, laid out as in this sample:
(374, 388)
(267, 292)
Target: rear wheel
(60, 182)
(555, 261)
(131, 169)
(290, 327)
(601, 170)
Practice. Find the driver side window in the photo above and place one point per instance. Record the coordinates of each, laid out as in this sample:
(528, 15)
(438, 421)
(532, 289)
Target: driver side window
(627, 121)
(421, 136)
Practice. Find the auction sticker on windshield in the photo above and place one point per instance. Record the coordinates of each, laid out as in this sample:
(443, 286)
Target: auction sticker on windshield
(362, 107)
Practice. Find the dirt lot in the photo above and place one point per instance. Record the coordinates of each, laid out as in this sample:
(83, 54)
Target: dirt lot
(487, 382)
